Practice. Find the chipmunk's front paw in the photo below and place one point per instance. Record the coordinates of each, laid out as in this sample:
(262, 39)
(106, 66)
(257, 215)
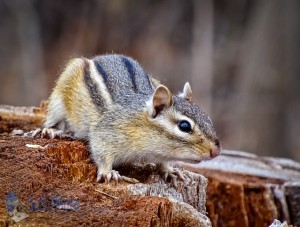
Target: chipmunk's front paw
(168, 172)
(111, 175)
(115, 176)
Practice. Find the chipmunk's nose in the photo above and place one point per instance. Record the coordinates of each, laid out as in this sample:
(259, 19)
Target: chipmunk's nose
(216, 149)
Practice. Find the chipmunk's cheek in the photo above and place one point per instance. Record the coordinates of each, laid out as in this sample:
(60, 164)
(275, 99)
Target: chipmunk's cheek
(196, 155)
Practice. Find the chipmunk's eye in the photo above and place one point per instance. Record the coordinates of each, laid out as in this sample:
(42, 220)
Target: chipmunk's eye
(185, 126)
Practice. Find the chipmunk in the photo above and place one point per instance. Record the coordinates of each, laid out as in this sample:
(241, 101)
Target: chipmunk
(128, 116)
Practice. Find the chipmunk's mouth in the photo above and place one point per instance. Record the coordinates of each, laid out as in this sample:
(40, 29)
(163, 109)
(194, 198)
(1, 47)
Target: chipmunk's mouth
(194, 161)
(198, 160)
(195, 156)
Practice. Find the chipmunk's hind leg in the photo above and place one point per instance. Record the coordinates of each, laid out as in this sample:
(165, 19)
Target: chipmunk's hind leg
(55, 124)
(56, 112)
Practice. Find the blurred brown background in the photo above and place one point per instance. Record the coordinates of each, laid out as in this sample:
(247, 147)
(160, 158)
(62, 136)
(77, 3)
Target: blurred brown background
(241, 57)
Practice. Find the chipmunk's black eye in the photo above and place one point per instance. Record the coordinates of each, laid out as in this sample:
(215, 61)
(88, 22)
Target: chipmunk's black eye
(185, 126)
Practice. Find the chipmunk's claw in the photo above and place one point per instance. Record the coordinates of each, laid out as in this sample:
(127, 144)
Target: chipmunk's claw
(165, 175)
(33, 134)
(51, 133)
(172, 174)
(179, 174)
(36, 132)
(115, 176)
(111, 175)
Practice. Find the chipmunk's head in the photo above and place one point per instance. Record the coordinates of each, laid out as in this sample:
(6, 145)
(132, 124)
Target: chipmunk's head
(184, 128)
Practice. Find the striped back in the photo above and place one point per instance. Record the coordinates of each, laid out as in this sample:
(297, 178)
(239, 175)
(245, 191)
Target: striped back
(122, 76)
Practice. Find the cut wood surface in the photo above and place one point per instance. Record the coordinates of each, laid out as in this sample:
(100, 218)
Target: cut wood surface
(242, 189)
(248, 190)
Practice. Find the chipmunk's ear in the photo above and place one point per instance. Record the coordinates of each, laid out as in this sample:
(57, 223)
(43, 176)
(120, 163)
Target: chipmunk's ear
(187, 93)
(161, 100)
